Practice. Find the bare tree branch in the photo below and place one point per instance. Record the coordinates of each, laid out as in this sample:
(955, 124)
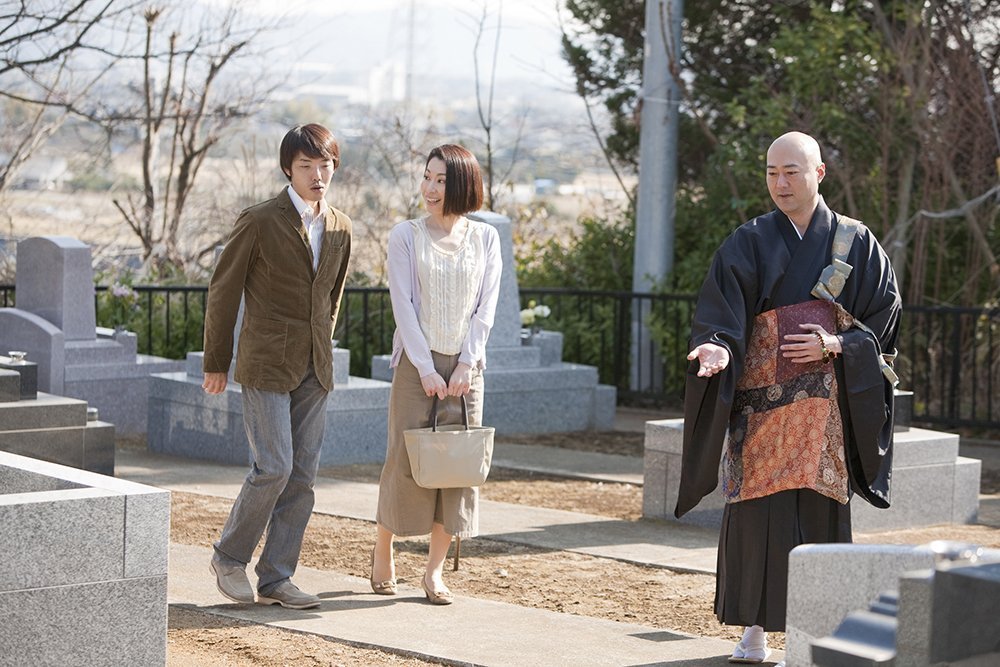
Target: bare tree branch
(582, 94)
(48, 28)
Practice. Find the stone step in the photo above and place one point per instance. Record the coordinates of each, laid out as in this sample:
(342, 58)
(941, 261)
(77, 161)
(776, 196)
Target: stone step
(45, 411)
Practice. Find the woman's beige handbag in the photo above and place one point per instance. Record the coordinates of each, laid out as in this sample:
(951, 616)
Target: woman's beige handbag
(453, 456)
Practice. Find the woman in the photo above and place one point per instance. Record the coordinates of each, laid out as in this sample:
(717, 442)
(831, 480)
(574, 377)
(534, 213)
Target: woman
(444, 281)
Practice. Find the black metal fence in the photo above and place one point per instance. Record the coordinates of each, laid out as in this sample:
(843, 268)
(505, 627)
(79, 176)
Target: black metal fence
(949, 357)
(604, 329)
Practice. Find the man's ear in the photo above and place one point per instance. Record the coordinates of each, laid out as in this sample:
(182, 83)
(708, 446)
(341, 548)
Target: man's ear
(821, 171)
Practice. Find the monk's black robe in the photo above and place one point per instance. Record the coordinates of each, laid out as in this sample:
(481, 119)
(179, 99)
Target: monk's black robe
(761, 266)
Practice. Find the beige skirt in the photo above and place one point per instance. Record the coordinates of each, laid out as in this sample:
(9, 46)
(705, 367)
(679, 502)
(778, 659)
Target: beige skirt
(404, 508)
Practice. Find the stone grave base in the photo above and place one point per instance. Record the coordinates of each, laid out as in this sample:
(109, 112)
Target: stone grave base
(185, 421)
(931, 483)
(529, 390)
(56, 429)
(110, 376)
(91, 587)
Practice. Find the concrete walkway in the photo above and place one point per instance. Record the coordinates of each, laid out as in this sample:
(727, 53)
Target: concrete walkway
(677, 547)
(569, 463)
(472, 631)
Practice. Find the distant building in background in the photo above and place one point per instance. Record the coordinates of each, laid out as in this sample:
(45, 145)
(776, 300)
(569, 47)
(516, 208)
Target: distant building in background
(324, 83)
(329, 84)
(545, 186)
(387, 83)
(602, 184)
(41, 173)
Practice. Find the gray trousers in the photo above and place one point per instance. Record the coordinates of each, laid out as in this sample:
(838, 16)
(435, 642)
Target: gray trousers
(286, 436)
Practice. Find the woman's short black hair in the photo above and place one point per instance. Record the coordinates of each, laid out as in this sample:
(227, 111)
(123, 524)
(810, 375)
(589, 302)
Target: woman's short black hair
(312, 140)
(463, 186)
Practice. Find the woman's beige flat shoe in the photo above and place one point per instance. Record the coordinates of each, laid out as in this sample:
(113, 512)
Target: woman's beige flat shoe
(441, 596)
(387, 587)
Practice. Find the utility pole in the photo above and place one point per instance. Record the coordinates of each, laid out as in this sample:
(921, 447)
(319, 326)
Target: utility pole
(410, 21)
(654, 228)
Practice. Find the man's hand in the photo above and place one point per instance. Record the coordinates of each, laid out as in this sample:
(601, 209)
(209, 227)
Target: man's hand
(214, 383)
(711, 358)
(460, 381)
(808, 347)
(433, 383)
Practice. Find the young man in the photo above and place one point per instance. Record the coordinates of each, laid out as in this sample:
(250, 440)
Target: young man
(287, 258)
(803, 432)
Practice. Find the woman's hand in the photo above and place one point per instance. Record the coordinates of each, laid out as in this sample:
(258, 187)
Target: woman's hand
(461, 380)
(433, 383)
(711, 358)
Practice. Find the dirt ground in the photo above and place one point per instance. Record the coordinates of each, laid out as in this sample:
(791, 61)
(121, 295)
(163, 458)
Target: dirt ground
(532, 577)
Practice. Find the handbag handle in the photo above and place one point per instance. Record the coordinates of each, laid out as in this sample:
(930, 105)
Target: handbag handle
(434, 413)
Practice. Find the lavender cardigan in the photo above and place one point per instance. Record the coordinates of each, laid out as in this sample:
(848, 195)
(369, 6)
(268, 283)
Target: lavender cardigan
(404, 292)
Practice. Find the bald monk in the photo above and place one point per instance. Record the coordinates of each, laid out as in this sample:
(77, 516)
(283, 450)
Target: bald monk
(791, 341)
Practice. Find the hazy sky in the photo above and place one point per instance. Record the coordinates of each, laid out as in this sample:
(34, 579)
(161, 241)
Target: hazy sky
(359, 34)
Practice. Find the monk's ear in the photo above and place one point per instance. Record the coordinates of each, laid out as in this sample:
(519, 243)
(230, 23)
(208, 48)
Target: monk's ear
(820, 171)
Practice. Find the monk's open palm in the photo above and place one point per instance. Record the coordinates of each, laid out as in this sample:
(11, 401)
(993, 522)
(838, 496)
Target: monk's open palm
(711, 358)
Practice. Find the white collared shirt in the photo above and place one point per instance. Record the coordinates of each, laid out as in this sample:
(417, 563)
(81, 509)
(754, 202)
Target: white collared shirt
(314, 225)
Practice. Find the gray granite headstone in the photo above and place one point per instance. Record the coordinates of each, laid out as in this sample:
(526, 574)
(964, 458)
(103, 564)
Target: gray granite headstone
(43, 342)
(931, 483)
(902, 410)
(506, 331)
(856, 572)
(56, 282)
(945, 615)
(55, 324)
(965, 620)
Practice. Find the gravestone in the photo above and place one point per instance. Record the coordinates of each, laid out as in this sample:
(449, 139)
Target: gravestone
(945, 612)
(931, 483)
(91, 588)
(528, 388)
(10, 386)
(55, 281)
(828, 581)
(54, 324)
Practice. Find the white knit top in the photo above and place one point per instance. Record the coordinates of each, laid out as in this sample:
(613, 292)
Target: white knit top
(449, 286)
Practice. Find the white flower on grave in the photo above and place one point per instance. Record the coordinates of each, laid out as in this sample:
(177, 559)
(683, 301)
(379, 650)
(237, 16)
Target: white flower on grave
(534, 313)
(122, 301)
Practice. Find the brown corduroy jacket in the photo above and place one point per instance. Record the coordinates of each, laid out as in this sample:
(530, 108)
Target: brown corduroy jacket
(290, 311)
